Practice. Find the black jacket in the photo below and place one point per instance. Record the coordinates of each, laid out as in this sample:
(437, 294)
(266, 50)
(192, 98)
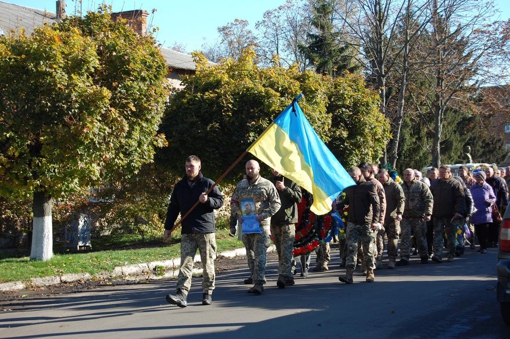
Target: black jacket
(363, 202)
(201, 219)
(449, 198)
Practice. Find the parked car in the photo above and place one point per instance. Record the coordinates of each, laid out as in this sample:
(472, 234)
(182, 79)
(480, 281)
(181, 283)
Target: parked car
(503, 268)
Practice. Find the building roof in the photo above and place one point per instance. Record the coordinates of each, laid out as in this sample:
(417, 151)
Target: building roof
(178, 60)
(14, 17)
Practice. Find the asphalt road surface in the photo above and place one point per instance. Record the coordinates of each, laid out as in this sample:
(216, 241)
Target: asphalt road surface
(448, 300)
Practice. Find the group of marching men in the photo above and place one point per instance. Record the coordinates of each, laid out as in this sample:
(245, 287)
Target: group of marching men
(431, 210)
(375, 207)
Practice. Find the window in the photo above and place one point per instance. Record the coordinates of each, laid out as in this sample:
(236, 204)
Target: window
(507, 147)
(507, 128)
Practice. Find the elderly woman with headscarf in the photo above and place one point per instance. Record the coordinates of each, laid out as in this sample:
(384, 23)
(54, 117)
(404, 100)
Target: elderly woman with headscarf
(483, 198)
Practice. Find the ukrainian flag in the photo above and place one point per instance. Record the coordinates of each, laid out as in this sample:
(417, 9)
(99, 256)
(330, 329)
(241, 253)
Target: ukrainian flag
(291, 146)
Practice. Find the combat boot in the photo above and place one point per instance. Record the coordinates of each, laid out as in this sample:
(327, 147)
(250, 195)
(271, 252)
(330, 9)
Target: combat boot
(347, 278)
(257, 289)
(178, 299)
(378, 262)
(370, 275)
(206, 299)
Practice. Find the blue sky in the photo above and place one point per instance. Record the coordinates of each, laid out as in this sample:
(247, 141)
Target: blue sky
(183, 21)
(188, 22)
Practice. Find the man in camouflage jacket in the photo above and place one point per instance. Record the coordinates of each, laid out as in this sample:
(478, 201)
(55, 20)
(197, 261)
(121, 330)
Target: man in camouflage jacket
(417, 211)
(265, 197)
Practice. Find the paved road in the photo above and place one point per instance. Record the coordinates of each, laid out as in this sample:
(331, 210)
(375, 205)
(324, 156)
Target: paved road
(448, 300)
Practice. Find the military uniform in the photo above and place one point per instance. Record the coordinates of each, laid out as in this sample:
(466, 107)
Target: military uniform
(449, 199)
(379, 240)
(267, 203)
(395, 203)
(364, 205)
(283, 228)
(418, 204)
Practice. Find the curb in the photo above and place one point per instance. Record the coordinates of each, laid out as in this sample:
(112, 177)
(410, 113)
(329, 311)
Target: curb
(131, 273)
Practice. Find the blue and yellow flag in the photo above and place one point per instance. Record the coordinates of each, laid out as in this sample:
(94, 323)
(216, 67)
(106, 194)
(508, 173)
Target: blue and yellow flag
(291, 146)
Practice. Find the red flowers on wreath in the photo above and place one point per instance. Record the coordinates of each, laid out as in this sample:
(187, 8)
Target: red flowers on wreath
(311, 230)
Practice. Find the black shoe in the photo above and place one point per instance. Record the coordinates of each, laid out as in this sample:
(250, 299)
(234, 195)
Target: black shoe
(436, 259)
(178, 299)
(256, 289)
(290, 282)
(280, 283)
(424, 259)
(248, 281)
(206, 299)
(402, 262)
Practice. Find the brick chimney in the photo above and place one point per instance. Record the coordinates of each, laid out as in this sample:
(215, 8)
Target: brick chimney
(136, 19)
(61, 10)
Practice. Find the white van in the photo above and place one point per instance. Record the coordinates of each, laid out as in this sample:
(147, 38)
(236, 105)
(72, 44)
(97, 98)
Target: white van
(455, 168)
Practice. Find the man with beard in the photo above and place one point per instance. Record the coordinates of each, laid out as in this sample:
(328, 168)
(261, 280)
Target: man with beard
(197, 231)
(264, 196)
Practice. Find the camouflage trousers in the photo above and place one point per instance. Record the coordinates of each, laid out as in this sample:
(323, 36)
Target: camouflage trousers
(342, 246)
(442, 225)
(392, 232)
(364, 235)
(379, 242)
(323, 254)
(303, 261)
(283, 237)
(256, 248)
(206, 244)
(418, 227)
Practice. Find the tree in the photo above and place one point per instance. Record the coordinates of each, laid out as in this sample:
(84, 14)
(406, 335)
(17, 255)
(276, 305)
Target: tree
(80, 101)
(282, 31)
(325, 51)
(235, 38)
(452, 59)
(384, 31)
(224, 108)
(360, 131)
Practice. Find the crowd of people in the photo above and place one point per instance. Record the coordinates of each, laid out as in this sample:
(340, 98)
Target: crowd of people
(438, 215)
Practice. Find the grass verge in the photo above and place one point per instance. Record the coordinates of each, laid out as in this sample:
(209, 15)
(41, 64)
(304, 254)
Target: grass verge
(122, 251)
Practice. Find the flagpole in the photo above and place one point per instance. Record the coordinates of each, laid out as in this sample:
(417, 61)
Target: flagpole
(231, 167)
(210, 189)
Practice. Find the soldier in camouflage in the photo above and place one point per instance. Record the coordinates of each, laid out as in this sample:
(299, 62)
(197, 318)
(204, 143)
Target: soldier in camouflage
(363, 223)
(283, 226)
(197, 231)
(267, 202)
(368, 172)
(417, 212)
(395, 203)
